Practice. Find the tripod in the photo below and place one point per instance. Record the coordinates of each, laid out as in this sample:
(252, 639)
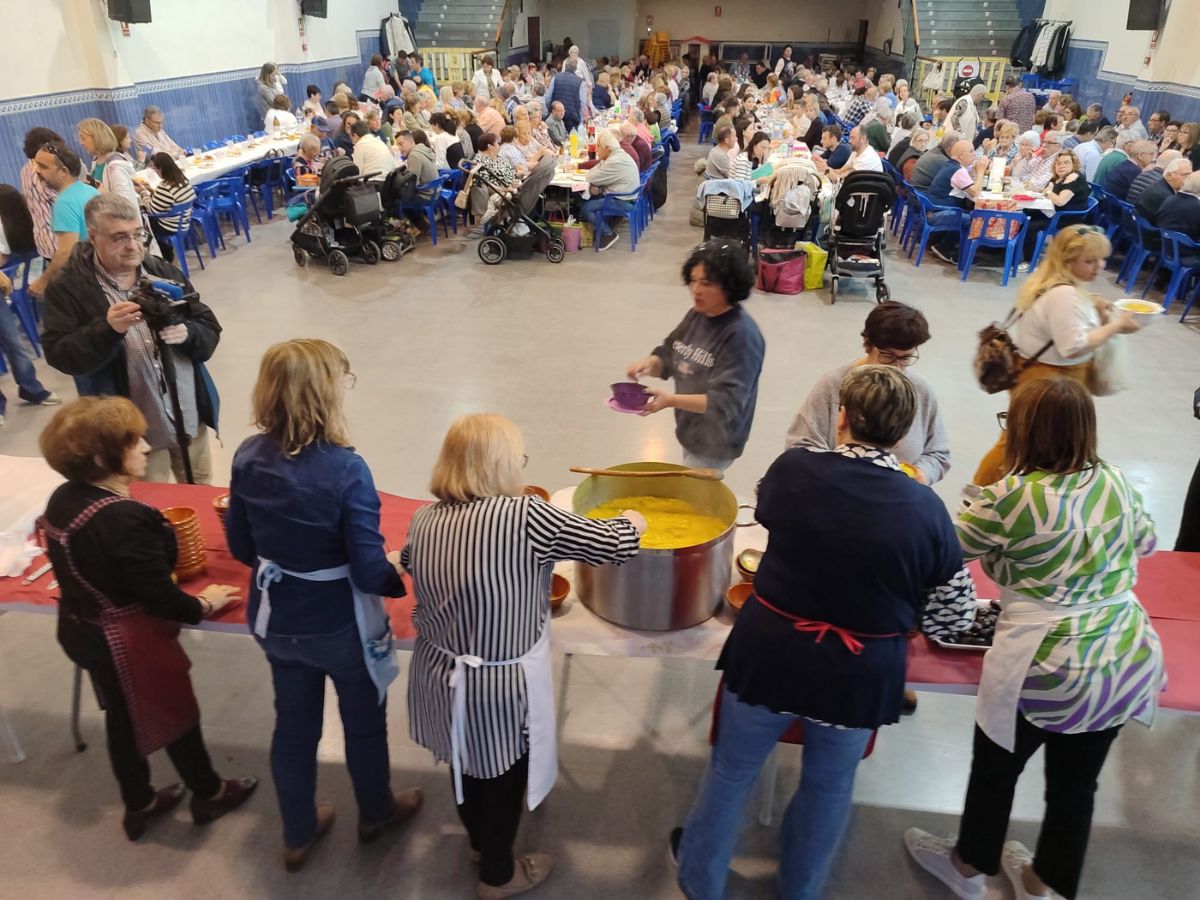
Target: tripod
(169, 376)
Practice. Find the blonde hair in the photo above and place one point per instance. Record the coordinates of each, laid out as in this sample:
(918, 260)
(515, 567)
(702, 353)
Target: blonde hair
(1054, 269)
(482, 456)
(102, 136)
(297, 399)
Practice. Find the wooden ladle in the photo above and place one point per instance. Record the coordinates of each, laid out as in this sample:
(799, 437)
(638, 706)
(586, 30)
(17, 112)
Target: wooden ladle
(703, 474)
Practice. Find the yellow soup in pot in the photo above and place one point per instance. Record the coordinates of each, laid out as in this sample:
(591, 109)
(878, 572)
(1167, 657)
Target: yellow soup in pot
(671, 523)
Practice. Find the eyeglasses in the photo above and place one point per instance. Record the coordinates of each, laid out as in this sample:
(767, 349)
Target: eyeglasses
(888, 358)
(126, 237)
(56, 153)
(351, 381)
(1002, 420)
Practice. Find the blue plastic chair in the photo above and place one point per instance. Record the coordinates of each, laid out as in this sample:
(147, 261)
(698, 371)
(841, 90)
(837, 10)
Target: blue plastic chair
(430, 207)
(21, 300)
(223, 197)
(258, 134)
(180, 216)
(1012, 243)
(1104, 212)
(1031, 80)
(293, 191)
(1057, 221)
(912, 216)
(901, 194)
(455, 179)
(263, 178)
(213, 145)
(1174, 245)
(236, 138)
(610, 210)
(645, 198)
(708, 120)
(928, 229)
(1147, 245)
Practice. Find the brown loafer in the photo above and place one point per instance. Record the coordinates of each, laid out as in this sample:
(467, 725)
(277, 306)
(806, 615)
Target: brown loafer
(136, 820)
(529, 871)
(405, 805)
(295, 857)
(234, 792)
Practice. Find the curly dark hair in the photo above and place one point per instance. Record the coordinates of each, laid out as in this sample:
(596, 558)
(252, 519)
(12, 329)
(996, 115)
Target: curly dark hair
(895, 326)
(725, 263)
(36, 138)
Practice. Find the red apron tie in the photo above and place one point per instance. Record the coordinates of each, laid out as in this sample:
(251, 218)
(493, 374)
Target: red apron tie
(850, 639)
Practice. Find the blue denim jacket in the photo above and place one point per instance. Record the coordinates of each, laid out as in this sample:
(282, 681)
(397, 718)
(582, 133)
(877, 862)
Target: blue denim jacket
(316, 510)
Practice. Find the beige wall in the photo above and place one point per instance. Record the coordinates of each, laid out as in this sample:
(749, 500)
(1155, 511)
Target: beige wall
(884, 16)
(755, 20)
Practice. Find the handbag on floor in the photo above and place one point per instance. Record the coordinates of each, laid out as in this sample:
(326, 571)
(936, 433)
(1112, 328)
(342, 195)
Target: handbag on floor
(781, 271)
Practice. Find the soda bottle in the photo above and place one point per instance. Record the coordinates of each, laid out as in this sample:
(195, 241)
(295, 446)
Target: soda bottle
(574, 144)
(592, 148)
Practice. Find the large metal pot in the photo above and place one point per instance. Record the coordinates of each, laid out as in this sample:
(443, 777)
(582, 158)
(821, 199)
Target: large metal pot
(659, 590)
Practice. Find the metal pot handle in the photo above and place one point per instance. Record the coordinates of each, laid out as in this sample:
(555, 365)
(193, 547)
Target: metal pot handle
(738, 524)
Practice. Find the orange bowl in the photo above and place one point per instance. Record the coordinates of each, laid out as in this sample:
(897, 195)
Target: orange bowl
(179, 515)
(532, 490)
(738, 594)
(559, 588)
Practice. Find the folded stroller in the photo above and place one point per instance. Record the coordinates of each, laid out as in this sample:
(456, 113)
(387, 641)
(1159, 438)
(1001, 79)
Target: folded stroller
(513, 230)
(856, 233)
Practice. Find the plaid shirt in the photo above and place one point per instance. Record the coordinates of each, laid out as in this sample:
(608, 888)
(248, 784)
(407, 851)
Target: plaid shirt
(1020, 107)
(39, 197)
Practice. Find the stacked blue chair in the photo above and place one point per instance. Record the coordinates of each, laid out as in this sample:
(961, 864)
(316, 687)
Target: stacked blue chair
(430, 207)
(952, 224)
(223, 197)
(262, 178)
(1104, 216)
(181, 217)
(1060, 219)
(1175, 246)
(1015, 225)
(455, 180)
(213, 145)
(20, 299)
(645, 200)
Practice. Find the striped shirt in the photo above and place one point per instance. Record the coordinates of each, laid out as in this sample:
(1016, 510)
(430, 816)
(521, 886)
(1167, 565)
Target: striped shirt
(167, 195)
(1073, 540)
(39, 197)
(481, 575)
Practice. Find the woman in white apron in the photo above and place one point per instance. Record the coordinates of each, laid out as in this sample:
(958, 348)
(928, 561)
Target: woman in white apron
(304, 514)
(481, 694)
(1074, 657)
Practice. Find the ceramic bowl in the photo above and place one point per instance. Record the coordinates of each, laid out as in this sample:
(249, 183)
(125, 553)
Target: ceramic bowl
(630, 394)
(738, 594)
(559, 588)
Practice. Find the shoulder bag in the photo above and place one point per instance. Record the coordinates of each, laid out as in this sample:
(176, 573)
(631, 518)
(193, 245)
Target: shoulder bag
(998, 364)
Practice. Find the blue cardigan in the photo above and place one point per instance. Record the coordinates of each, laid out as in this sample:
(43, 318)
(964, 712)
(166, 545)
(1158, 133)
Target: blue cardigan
(316, 510)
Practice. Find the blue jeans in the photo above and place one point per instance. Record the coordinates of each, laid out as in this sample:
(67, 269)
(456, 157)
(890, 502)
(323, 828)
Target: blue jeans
(816, 816)
(590, 210)
(299, 665)
(19, 360)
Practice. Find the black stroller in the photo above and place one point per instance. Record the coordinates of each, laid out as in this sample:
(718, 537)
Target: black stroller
(513, 231)
(857, 231)
(346, 220)
(724, 219)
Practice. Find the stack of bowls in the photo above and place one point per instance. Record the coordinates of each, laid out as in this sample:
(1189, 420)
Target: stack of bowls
(221, 508)
(192, 559)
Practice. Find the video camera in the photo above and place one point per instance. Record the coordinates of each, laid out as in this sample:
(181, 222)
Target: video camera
(164, 302)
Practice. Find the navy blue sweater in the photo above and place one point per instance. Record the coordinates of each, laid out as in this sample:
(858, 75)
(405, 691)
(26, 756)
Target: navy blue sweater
(720, 356)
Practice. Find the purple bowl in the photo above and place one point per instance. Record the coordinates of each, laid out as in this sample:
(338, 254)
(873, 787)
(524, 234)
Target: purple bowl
(630, 394)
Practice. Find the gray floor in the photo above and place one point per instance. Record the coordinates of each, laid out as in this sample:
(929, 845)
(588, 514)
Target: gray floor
(438, 335)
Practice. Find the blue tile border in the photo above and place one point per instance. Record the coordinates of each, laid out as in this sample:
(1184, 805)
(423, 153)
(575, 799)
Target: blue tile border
(1085, 63)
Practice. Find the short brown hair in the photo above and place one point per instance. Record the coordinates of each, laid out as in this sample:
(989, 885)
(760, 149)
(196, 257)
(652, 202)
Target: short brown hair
(87, 440)
(1051, 428)
(297, 399)
(895, 326)
(507, 134)
(880, 404)
(481, 457)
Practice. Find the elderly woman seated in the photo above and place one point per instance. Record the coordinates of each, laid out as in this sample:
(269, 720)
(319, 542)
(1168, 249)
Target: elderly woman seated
(1003, 145)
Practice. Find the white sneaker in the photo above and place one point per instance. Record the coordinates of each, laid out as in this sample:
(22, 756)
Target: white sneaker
(1014, 860)
(933, 855)
(1023, 267)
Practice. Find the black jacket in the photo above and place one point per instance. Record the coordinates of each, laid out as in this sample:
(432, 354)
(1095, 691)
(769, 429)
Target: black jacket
(1152, 200)
(78, 340)
(1181, 212)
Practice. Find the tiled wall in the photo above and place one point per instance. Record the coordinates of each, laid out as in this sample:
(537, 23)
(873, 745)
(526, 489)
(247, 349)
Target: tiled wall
(199, 108)
(1085, 60)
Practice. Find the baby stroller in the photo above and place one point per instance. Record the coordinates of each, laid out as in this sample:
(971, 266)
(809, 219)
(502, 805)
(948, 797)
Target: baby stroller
(725, 220)
(857, 231)
(513, 231)
(346, 220)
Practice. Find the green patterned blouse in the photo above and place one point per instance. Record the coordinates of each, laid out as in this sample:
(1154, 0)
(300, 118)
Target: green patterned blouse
(1074, 540)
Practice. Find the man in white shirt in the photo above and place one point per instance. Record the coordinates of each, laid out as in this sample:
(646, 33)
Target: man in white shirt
(582, 69)
(863, 157)
(487, 80)
(1129, 125)
(1087, 151)
(370, 154)
(964, 114)
(149, 137)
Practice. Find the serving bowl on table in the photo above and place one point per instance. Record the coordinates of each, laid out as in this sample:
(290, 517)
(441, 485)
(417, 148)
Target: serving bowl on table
(630, 395)
(739, 593)
(660, 590)
(559, 588)
(747, 564)
(532, 490)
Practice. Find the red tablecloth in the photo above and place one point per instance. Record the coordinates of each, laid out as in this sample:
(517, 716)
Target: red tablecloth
(1168, 586)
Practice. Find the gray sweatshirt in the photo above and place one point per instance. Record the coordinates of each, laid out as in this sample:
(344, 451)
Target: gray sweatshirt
(926, 445)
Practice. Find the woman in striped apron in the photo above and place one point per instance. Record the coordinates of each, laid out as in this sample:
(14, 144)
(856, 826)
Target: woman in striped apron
(480, 694)
(1075, 656)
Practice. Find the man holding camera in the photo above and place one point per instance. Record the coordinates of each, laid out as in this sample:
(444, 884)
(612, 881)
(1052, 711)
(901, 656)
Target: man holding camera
(105, 330)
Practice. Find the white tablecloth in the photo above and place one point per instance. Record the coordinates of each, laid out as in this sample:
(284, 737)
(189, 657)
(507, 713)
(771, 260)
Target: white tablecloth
(198, 172)
(1039, 203)
(26, 483)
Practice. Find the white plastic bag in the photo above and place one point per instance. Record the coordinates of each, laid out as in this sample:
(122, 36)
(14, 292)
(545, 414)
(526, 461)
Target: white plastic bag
(1110, 368)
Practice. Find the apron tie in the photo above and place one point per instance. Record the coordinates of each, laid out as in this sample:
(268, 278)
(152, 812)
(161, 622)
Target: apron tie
(269, 573)
(850, 639)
